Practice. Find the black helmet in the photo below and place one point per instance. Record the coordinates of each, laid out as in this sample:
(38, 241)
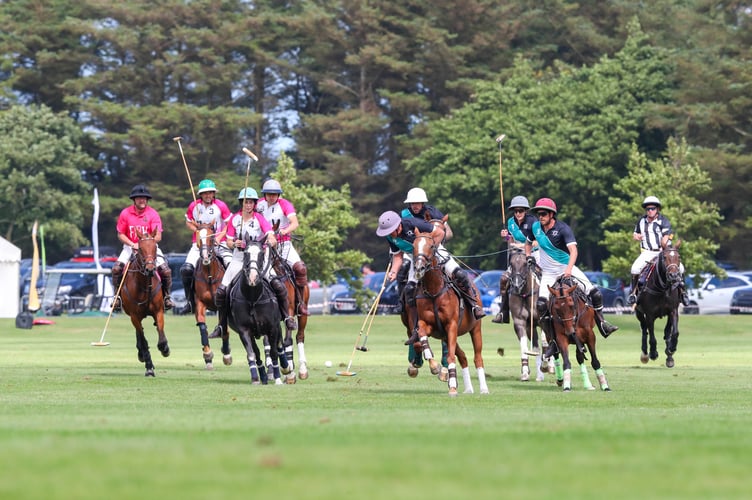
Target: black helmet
(139, 190)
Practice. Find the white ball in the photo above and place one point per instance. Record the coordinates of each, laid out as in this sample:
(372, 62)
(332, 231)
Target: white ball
(328, 364)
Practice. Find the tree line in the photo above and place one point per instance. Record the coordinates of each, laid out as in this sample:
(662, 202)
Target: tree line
(378, 96)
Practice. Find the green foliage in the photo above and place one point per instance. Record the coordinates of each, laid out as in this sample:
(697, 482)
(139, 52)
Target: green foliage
(325, 217)
(567, 132)
(41, 165)
(680, 184)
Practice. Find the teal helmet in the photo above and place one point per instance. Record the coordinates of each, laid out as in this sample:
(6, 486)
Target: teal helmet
(206, 185)
(248, 194)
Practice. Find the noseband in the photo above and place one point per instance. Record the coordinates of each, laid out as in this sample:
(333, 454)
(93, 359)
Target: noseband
(147, 262)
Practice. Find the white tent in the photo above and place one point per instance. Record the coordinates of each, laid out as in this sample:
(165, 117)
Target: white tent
(10, 276)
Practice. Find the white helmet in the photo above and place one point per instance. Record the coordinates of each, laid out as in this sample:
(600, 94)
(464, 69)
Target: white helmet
(416, 195)
(651, 200)
(271, 186)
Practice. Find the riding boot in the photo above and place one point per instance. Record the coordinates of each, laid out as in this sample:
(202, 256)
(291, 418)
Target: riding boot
(186, 273)
(468, 291)
(301, 281)
(166, 274)
(683, 293)
(220, 301)
(604, 326)
(503, 315)
(633, 294)
(280, 290)
(402, 275)
(117, 276)
(412, 312)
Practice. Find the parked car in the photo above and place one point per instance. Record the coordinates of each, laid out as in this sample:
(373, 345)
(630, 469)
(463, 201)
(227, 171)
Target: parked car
(175, 260)
(339, 300)
(741, 301)
(613, 290)
(714, 295)
(488, 286)
(74, 288)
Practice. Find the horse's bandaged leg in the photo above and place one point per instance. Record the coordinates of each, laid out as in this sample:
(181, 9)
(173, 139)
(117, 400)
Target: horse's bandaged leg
(452, 376)
(427, 352)
(539, 376)
(602, 379)
(586, 384)
(523, 347)
(567, 385)
(466, 381)
(482, 380)
(558, 369)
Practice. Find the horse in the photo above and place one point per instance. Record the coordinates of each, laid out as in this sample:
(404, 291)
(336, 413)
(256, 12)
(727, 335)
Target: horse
(441, 314)
(207, 277)
(660, 296)
(523, 294)
(284, 272)
(254, 314)
(573, 319)
(141, 296)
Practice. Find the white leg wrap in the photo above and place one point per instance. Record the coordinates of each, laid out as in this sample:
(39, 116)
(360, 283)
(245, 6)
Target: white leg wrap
(301, 353)
(586, 378)
(466, 382)
(482, 380)
(523, 347)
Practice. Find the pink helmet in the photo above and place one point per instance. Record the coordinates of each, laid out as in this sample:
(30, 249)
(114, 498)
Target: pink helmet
(545, 204)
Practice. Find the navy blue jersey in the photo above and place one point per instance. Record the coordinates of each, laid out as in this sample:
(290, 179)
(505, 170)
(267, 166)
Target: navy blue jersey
(560, 235)
(407, 233)
(433, 212)
(525, 227)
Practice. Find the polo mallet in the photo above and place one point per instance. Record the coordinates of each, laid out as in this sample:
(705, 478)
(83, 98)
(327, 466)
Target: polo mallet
(501, 181)
(371, 314)
(101, 342)
(185, 164)
(253, 157)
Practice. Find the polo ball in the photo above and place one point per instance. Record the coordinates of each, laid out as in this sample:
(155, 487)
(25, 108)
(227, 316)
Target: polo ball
(328, 364)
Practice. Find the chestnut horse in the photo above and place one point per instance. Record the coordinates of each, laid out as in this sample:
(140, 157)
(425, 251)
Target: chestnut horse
(573, 320)
(141, 296)
(660, 296)
(442, 315)
(206, 279)
(523, 294)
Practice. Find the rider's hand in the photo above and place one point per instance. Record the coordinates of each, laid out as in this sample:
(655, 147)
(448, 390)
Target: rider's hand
(240, 244)
(530, 261)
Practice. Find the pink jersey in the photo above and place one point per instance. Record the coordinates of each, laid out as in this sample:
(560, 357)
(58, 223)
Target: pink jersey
(129, 220)
(253, 229)
(279, 212)
(217, 214)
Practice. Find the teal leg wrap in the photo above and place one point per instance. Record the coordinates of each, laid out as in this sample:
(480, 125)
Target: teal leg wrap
(444, 354)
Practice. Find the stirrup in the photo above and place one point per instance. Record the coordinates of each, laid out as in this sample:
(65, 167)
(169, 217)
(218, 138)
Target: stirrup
(117, 305)
(413, 338)
(168, 304)
(607, 328)
(499, 318)
(478, 312)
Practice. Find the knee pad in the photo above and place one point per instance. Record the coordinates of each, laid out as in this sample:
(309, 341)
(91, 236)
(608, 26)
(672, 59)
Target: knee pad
(542, 307)
(410, 294)
(187, 270)
(301, 273)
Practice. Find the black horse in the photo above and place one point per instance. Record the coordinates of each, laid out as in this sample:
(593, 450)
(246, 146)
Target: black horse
(660, 296)
(254, 314)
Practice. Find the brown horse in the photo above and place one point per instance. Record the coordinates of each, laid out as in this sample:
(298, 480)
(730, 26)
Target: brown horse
(523, 294)
(285, 273)
(573, 320)
(441, 313)
(141, 296)
(660, 296)
(207, 277)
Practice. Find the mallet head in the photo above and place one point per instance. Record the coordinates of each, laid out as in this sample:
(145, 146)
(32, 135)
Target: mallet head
(501, 138)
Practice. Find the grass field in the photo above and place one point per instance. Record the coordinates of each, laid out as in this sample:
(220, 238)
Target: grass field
(80, 422)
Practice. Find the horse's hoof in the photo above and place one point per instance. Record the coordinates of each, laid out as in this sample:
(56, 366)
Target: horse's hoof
(485, 391)
(291, 379)
(653, 356)
(255, 382)
(469, 390)
(590, 388)
(434, 366)
(560, 382)
(209, 366)
(567, 389)
(208, 357)
(412, 371)
(303, 372)
(606, 389)
(644, 359)
(227, 359)
(278, 381)
(443, 374)
(453, 392)
(140, 358)
(539, 377)
(164, 349)
(149, 373)
(525, 375)
(669, 362)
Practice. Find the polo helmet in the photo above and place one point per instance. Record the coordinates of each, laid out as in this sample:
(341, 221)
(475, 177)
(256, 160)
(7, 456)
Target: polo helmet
(519, 202)
(651, 200)
(271, 186)
(206, 186)
(139, 190)
(416, 195)
(545, 204)
(248, 193)
(388, 222)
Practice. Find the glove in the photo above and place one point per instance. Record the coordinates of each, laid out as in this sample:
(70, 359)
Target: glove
(530, 261)
(240, 244)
